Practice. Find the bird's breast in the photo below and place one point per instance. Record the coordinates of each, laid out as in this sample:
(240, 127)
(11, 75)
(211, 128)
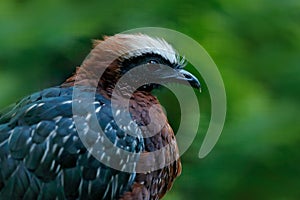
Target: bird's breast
(160, 145)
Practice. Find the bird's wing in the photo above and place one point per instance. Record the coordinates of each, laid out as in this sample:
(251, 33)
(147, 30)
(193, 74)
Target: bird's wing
(42, 156)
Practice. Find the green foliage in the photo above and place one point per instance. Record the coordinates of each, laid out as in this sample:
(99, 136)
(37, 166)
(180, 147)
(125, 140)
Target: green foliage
(255, 44)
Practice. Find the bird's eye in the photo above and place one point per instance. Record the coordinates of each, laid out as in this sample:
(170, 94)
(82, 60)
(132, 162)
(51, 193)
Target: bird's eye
(153, 65)
(152, 62)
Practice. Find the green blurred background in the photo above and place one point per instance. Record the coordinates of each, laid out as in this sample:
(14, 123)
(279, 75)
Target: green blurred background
(255, 44)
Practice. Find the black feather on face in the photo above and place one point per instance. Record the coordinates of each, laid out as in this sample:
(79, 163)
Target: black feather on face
(149, 58)
(153, 63)
(155, 66)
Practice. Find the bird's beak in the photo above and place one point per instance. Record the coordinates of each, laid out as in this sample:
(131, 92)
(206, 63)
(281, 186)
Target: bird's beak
(190, 78)
(184, 77)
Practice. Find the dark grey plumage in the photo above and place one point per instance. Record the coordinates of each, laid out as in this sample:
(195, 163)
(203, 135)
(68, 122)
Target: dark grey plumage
(41, 156)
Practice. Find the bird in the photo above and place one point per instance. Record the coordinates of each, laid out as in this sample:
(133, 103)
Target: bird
(42, 155)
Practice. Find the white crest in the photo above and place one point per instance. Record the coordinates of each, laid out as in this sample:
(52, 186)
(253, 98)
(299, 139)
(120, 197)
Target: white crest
(133, 45)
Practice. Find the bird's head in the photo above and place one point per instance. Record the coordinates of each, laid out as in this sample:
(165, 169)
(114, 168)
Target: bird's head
(141, 57)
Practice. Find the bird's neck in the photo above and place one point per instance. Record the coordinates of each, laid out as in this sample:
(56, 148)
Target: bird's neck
(140, 101)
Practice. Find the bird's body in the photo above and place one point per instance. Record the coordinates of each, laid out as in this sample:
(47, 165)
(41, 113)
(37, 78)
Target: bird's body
(43, 157)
